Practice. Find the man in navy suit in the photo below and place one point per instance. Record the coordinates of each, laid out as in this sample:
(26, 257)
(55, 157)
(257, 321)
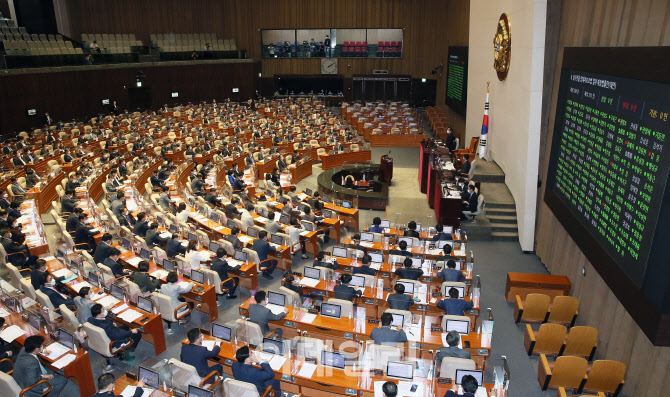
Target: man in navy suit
(454, 306)
(220, 266)
(449, 273)
(112, 262)
(245, 371)
(122, 335)
(471, 203)
(142, 225)
(196, 355)
(469, 385)
(48, 288)
(263, 248)
(440, 234)
(84, 234)
(398, 300)
(376, 228)
(174, 247)
(402, 245)
(104, 248)
(365, 267)
(408, 272)
(344, 291)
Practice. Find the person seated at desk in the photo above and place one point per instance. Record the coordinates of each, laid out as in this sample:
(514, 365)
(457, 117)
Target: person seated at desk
(465, 168)
(112, 262)
(121, 335)
(471, 203)
(446, 253)
(231, 209)
(107, 384)
(411, 230)
(293, 283)
(355, 244)
(376, 226)
(156, 181)
(164, 199)
(48, 288)
(232, 238)
(182, 213)
(194, 257)
(453, 338)
(238, 185)
(154, 238)
(318, 261)
(173, 246)
(453, 306)
(293, 231)
(344, 291)
(308, 216)
(83, 303)
(245, 216)
(365, 267)
(220, 266)
(28, 370)
(408, 272)
(469, 385)
(402, 250)
(389, 389)
(17, 255)
(449, 273)
(142, 225)
(244, 370)
(6, 351)
(68, 202)
(385, 335)
(84, 234)
(195, 354)
(15, 229)
(398, 300)
(144, 281)
(315, 202)
(293, 195)
(263, 248)
(14, 209)
(212, 198)
(440, 234)
(174, 290)
(126, 219)
(271, 226)
(103, 249)
(38, 272)
(261, 315)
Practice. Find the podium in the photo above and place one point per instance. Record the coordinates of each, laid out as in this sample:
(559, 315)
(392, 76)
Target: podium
(386, 169)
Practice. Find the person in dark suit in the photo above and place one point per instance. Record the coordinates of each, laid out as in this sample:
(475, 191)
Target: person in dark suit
(390, 389)
(84, 234)
(365, 267)
(411, 230)
(450, 141)
(385, 335)
(143, 279)
(103, 249)
(14, 210)
(449, 273)
(112, 262)
(153, 238)
(71, 184)
(446, 253)
(18, 236)
(469, 385)
(31, 178)
(344, 291)
(212, 198)
(453, 306)
(239, 185)
(17, 160)
(36, 276)
(402, 250)
(440, 235)
(174, 246)
(261, 315)
(48, 288)
(4, 203)
(398, 300)
(453, 338)
(122, 335)
(17, 255)
(126, 219)
(118, 203)
(471, 203)
(155, 180)
(7, 350)
(245, 371)
(292, 282)
(408, 272)
(193, 353)
(232, 238)
(231, 209)
(376, 228)
(68, 202)
(263, 248)
(318, 261)
(67, 157)
(141, 225)
(106, 384)
(220, 266)
(28, 370)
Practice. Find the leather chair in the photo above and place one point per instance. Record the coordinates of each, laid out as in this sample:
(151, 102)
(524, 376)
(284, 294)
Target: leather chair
(292, 297)
(169, 311)
(449, 366)
(209, 382)
(27, 288)
(99, 342)
(232, 387)
(346, 307)
(380, 355)
(9, 387)
(15, 274)
(309, 347)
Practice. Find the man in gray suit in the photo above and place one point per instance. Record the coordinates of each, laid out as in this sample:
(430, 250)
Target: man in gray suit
(452, 350)
(68, 202)
(117, 204)
(164, 199)
(260, 314)
(83, 303)
(385, 335)
(28, 370)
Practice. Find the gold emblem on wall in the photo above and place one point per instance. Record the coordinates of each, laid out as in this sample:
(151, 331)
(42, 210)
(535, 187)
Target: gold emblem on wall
(502, 47)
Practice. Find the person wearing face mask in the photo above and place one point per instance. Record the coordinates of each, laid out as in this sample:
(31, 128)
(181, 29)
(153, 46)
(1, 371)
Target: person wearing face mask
(84, 304)
(291, 282)
(122, 335)
(48, 288)
(28, 370)
(106, 383)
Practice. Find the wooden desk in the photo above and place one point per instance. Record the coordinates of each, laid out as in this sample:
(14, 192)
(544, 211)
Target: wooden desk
(47, 194)
(348, 215)
(336, 160)
(300, 171)
(523, 284)
(124, 381)
(396, 140)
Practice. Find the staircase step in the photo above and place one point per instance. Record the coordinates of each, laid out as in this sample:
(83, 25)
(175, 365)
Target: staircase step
(489, 178)
(495, 218)
(505, 236)
(496, 205)
(500, 211)
(504, 227)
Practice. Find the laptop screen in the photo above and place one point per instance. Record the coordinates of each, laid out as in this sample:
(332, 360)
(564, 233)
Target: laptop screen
(276, 239)
(35, 320)
(214, 217)
(308, 191)
(231, 224)
(197, 276)
(65, 338)
(252, 232)
(330, 310)
(461, 290)
(460, 326)
(327, 198)
(367, 237)
(127, 244)
(213, 246)
(273, 346)
(312, 272)
(327, 214)
(460, 373)
(149, 377)
(174, 229)
(346, 204)
(221, 332)
(385, 223)
(285, 219)
(307, 226)
(192, 236)
(241, 256)
(145, 254)
(447, 229)
(169, 265)
(398, 320)
(194, 391)
(332, 359)
(144, 304)
(408, 240)
(397, 369)
(416, 262)
(339, 252)
(440, 244)
(409, 287)
(358, 281)
(117, 292)
(93, 278)
(276, 298)
(376, 258)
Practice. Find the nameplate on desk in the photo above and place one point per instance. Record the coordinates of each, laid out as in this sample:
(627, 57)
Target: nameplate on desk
(422, 308)
(349, 335)
(289, 324)
(228, 361)
(427, 279)
(178, 393)
(435, 329)
(351, 392)
(310, 360)
(373, 322)
(387, 289)
(314, 311)
(386, 274)
(437, 295)
(287, 378)
(243, 274)
(482, 352)
(474, 312)
(369, 301)
(468, 282)
(377, 372)
(444, 381)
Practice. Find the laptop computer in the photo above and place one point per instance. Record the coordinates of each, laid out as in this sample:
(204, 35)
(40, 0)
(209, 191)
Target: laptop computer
(331, 310)
(400, 370)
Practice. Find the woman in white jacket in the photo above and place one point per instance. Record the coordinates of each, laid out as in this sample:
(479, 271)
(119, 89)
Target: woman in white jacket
(293, 231)
(195, 257)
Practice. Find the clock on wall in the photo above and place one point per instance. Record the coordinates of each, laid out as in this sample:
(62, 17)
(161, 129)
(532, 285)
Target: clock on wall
(328, 66)
(502, 47)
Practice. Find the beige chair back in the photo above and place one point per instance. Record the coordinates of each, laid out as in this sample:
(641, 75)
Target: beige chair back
(98, 340)
(451, 364)
(193, 379)
(237, 388)
(14, 273)
(309, 347)
(292, 297)
(28, 289)
(347, 307)
(165, 306)
(8, 386)
(460, 318)
(380, 355)
(44, 300)
(70, 320)
(444, 288)
(249, 332)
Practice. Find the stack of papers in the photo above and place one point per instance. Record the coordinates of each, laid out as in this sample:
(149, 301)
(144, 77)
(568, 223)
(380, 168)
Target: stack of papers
(309, 282)
(277, 362)
(245, 239)
(308, 318)
(275, 309)
(129, 391)
(3, 312)
(65, 360)
(307, 370)
(458, 253)
(10, 333)
(130, 315)
(305, 232)
(55, 350)
(160, 273)
(210, 343)
(134, 261)
(119, 309)
(108, 301)
(166, 235)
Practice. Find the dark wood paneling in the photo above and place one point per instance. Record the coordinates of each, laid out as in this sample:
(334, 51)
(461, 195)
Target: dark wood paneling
(67, 95)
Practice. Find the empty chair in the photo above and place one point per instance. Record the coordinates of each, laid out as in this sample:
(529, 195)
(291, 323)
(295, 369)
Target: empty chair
(15, 274)
(581, 342)
(380, 355)
(566, 371)
(605, 376)
(251, 333)
(564, 310)
(292, 297)
(347, 307)
(449, 366)
(309, 347)
(232, 387)
(169, 311)
(209, 382)
(28, 288)
(99, 342)
(548, 340)
(533, 310)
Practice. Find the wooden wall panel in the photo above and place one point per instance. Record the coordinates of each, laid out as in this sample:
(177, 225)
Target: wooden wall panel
(604, 23)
